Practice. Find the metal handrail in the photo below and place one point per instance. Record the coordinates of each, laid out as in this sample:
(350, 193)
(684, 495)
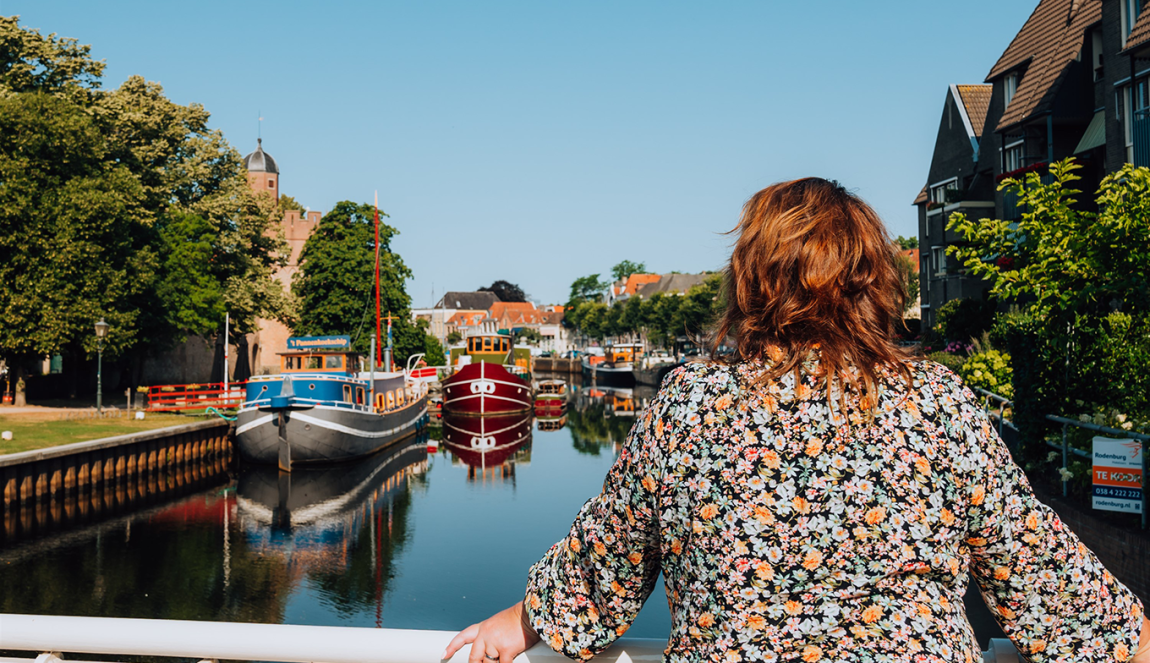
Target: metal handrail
(1105, 430)
(261, 642)
(211, 641)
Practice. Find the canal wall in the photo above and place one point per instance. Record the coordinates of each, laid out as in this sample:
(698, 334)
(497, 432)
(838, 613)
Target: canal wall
(557, 365)
(45, 474)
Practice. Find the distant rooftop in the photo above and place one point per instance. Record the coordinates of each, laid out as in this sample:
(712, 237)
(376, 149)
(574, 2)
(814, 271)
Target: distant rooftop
(468, 301)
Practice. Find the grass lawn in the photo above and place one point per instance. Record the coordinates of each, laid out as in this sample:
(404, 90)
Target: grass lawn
(40, 430)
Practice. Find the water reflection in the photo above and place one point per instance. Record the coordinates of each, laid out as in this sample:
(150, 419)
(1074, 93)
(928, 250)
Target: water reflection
(92, 503)
(601, 417)
(490, 446)
(236, 552)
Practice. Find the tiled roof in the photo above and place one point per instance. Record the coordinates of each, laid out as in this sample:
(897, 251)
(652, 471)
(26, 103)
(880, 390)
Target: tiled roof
(499, 309)
(1140, 35)
(1049, 40)
(672, 283)
(475, 301)
(922, 197)
(976, 99)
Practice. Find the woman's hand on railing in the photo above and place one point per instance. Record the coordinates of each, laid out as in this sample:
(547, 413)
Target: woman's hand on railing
(500, 637)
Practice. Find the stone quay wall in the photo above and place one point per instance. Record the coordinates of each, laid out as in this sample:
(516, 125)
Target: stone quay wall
(47, 474)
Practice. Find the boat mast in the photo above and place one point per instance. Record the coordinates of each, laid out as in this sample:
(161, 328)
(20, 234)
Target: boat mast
(378, 320)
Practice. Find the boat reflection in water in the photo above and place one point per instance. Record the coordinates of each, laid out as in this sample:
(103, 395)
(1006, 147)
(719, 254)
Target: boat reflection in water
(490, 445)
(313, 517)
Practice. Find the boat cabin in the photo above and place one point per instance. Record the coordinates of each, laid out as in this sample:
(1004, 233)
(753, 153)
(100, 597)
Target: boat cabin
(623, 352)
(489, 344)
(318, 362)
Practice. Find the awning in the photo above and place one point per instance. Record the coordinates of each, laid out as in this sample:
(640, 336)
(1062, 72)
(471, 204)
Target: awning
(1095, 135)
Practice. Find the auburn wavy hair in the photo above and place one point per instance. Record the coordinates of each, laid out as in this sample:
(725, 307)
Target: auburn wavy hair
(814, 268)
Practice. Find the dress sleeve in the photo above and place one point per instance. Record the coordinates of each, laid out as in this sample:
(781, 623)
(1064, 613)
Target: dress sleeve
(590, 586)
(1047, 590)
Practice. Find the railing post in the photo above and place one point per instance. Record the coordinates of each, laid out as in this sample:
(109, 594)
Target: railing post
(1065, 452)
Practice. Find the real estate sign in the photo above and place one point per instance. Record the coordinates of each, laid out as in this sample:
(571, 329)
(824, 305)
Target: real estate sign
(1117, 475)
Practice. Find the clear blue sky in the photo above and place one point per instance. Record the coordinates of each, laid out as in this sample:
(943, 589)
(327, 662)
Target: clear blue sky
(542, 141)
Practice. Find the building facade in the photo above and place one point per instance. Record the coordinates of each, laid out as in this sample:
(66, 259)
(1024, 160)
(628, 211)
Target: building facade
(1072, 83)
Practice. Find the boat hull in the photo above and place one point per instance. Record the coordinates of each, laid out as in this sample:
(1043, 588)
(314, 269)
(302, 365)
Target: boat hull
(610, 374)
(653, 376)
(325, 434)
(484, 388)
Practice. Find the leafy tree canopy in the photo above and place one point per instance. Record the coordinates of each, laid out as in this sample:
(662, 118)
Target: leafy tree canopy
(585, 289)
(335, 284)
(627, 268)
(506, 291)
(907, 242)
(1065, 260)
(119, 205)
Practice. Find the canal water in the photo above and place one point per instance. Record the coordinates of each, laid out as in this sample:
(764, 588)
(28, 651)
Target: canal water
(428, 534)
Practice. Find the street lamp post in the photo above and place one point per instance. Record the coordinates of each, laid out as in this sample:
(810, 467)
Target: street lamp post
(101, 332)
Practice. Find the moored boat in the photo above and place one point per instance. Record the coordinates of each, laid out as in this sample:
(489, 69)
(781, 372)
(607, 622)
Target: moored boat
(651, 369)
(491, 376)
(615, 367)
(332, 412)
(550, 398)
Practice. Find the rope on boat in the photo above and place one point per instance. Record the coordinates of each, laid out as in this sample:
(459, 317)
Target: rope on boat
(221, 415)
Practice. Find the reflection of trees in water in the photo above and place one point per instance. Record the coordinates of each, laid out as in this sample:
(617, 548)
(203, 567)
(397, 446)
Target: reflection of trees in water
(362, 583)
(593, 426)
(179, 561)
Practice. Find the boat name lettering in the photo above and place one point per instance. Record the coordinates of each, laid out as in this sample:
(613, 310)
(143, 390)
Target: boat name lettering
(313, 342)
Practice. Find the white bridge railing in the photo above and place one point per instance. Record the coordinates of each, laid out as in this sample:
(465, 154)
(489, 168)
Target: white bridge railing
(47, 636)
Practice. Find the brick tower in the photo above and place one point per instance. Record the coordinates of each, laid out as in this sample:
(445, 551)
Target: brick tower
(263, 174)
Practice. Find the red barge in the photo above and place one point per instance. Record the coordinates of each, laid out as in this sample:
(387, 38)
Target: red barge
(490, 378)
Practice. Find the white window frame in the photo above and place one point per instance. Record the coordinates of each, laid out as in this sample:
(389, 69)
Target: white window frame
(938, 260)
(1019, 146)
(941, 188)
(1130, 11)
(1009, 88)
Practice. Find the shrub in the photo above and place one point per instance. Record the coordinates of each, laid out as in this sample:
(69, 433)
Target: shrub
(949, 359)
(961, 320)
(989, 370)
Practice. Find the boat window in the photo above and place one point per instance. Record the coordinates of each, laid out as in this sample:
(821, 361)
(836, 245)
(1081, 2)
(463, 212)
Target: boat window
(487, 345)
(399, 397)
(314, 362)
(359, 395)
(503, 345)
(347, 393)
(379, 403)
(333, 361)
(390, 400)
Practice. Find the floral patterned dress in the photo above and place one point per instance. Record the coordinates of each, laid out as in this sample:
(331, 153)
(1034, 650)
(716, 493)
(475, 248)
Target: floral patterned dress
(787, 530)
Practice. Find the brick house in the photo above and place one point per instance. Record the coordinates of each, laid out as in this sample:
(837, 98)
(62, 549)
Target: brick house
(1062, 88)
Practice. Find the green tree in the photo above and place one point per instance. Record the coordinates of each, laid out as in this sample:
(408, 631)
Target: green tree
(586, 289)
(101, 191)
(908, 276)
(288, 203)
(699, 308)
(906, 243)
(627, 268)
(506, 291)
(335, 283)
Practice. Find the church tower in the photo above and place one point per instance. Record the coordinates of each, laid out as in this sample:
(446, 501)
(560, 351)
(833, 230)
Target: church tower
(263, 174)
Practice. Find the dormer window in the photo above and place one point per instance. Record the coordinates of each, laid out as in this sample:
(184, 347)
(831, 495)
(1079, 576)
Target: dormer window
(1009, 87)
(1130, 11)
